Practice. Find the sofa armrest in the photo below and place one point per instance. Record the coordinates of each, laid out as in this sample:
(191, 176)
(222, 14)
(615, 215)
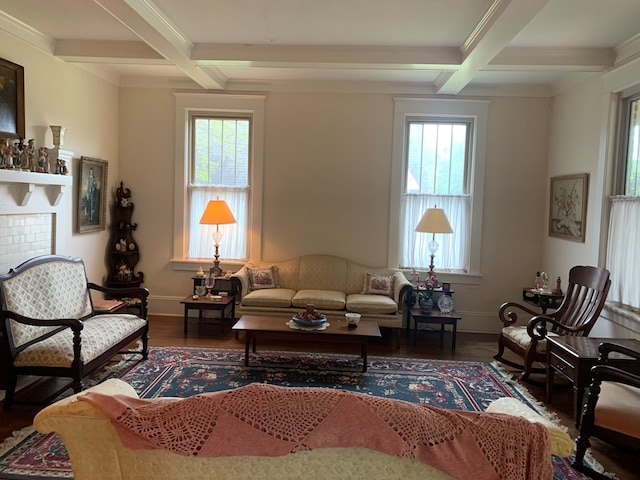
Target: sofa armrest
(140, 293)
(401, 288)
(241, 280)
(561, 443)
(45, 420)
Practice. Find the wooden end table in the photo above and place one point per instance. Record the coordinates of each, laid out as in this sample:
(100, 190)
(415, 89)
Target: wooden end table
(437, 317)
(573, 357)
(276, 328)
(204, 303)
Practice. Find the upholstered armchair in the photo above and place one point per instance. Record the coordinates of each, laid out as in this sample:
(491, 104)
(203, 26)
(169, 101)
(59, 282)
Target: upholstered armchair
(585, 296)
(612, 409)
(49, 327)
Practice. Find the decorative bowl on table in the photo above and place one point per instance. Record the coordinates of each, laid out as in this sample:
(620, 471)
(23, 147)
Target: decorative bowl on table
(315, 322)
(309, 317)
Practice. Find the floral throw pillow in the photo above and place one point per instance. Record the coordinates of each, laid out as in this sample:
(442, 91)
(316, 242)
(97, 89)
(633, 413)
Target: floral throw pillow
(261, 278)
(378, 284)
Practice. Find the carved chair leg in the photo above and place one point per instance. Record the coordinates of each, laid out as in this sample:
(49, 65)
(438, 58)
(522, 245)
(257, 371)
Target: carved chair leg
(12, 381)
(498, 356)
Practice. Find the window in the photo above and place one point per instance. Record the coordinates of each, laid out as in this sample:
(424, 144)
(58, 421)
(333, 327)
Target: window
(439, 161)
(219, 168)
(219, 154)
(436, 166)
(623, 258)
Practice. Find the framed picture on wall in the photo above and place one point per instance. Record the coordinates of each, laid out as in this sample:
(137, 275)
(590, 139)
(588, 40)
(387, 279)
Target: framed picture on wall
(568, 206)
(92, 195)
(11, 100)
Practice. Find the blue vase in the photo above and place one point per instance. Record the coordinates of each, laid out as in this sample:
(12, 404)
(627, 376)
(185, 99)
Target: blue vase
(426, 304)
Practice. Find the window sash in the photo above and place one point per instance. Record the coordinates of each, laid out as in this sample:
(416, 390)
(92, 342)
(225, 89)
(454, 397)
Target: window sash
(234, 243)
(453, 252)
(623, 256)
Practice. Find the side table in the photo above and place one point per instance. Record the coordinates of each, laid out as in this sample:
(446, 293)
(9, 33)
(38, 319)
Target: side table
(544, 300)
(437, 317)
(203, 303)
(573, 357)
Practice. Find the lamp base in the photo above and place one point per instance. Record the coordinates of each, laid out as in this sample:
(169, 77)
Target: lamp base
(216, 271)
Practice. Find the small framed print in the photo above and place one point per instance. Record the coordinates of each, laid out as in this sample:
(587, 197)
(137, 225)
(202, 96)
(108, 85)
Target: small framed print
(568, 207)
(446, 287)
(92, 195)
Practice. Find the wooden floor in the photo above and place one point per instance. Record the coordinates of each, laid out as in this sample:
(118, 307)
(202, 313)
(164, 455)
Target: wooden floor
(472, 347)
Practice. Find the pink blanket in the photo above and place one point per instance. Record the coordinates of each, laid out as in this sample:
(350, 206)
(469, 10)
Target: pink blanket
(267, 420)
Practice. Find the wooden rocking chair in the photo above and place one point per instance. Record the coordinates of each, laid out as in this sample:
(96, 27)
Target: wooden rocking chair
(585, 296)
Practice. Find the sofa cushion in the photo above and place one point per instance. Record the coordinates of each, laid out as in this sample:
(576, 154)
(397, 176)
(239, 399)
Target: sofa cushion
(363, 303)
(269, 297)
(260, 278)
(327, 299)
(100, 333)
(322, 272)
(378, 284)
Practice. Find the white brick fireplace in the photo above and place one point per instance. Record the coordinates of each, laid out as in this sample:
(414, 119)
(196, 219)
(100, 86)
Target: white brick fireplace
(35, 215)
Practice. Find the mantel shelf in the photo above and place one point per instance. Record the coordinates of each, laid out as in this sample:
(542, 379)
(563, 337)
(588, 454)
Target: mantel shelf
(26, 183)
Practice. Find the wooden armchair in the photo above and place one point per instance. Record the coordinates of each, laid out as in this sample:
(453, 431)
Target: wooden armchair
(49, 328)
(585, 296)
(612, 409)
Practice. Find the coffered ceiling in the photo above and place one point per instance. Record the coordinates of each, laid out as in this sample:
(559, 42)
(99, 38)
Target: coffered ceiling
(446, 47)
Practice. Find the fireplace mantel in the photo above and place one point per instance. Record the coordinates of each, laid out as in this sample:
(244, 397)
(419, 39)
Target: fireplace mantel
(27, 182)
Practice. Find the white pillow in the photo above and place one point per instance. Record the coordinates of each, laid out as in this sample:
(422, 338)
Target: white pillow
(261, 278)
(378, 284)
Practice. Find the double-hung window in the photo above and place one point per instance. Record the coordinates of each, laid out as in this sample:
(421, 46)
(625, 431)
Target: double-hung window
(439, 154)
(623, 256)
(219, 169)
(219, 155)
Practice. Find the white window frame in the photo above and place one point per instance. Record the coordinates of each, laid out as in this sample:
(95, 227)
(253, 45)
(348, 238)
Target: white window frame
(426, 108)
(185, 105)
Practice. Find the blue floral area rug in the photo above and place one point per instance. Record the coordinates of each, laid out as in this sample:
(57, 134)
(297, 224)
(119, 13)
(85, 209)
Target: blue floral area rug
(185, 371)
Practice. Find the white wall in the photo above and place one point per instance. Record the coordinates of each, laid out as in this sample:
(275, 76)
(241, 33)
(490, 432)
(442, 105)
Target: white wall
(581, 142)
(326, 189)
(60, 94)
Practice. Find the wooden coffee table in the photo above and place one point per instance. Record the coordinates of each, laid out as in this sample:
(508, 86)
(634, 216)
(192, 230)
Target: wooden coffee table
(276, 328)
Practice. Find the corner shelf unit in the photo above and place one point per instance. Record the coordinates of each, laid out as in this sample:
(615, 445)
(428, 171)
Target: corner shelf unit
(123, 249)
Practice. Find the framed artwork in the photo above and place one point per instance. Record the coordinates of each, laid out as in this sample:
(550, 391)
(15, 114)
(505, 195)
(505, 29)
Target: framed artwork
(92, 195)
(11, 100)
(568, 206)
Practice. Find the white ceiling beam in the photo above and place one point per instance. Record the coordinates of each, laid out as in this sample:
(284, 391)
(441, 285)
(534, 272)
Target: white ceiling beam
(106, 51)
(584, 59)
(501, 23)
(146, 21)
(326, 56)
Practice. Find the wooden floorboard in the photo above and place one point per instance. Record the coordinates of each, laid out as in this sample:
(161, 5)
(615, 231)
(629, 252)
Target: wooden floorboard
(469, 346)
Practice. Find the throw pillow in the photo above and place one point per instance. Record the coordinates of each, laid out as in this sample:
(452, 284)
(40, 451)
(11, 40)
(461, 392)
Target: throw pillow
(260, 278)
(378, 284)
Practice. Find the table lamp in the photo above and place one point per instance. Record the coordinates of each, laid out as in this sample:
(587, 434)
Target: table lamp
(217, 213)
(434, 221)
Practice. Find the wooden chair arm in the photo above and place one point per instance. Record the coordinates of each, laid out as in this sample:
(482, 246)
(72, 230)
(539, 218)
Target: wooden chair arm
(508, 316)
(606, 348)
(73, 323)
(537, 327)
(607, 373)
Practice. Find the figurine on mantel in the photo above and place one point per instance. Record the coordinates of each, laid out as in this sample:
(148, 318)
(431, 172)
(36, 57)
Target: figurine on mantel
(43, 160)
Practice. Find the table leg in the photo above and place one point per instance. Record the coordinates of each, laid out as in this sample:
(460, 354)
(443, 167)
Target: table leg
(549, 386)
(415, 332)
(247, 340)
(455, 332)
(186, 319)
(364, 355)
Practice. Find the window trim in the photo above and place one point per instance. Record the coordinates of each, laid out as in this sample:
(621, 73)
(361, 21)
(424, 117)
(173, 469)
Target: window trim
(206, 103)
(412, 108)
